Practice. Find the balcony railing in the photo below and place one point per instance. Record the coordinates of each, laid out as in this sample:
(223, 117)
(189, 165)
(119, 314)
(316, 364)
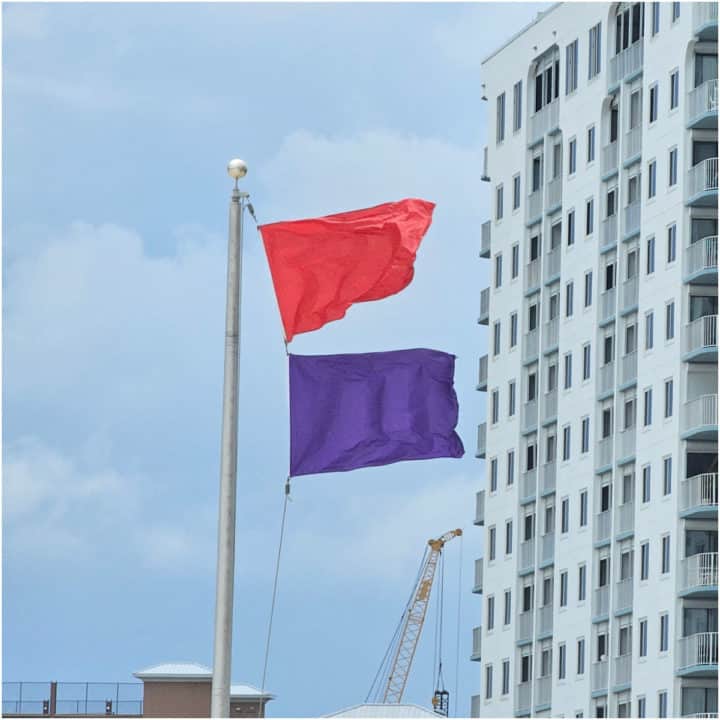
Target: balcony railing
(632, 219)
(529, 415)
(485, 239)
(702, 101)
(544, 120)
(701, 334)
(704, 14)
(550, 405)
(522, 698)
(482, 373)
(607, 305)
(484, 306)
(604, 450)
(475, 706)
(480, 507)
(549, 472)
(599, 675)
(628, 372)
(626, 443)
(482, 442)
(601, 601)
(528, 484)
(531, 344)
(603, 522)
(699, 649)
(622, 669)
(547, 548)
(534, 205)
(626, 63)
(545, 619)
(552, 263)
(606, 378)
(699, 572)
(702, 178)
(610, 158)
(479, 575)
(525, 625)
(554, 193)
(632, 143)
(699, 414)
(543, 691)
(608, 232)
(625, 518)
(532, 275)
(527, 554)
(630, 294)
(624, 595)
(477, 644)
(551, 333)
(702, 255)
(699, 492)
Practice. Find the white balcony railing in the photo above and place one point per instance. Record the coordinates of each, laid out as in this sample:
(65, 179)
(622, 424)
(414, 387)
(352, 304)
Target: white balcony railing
(628, 372)
(699, 491)
(699, 571)
(479, 575)
(480, 507)
(701, 334)
(531, 345)
(552, 263)
(535, 204)
(624, 594)
(484, 306)
(545, 619)
(549, 472)
(525, 625)
(698, 649)
(532, 275)
(603, 521)
(610, 158)
(482, 372)
(625, 518)
(606, 377)
(626, 443)
(626, 63)
(527, 554)
(547, 548)
(554, 193)
(702, 255)
(550, 405)
(702, 100)
(544, 120)
(603, 451)
(703, 177)
(475, 701)
(632, 219)
(528, 484)
(529, 415)
(522, 698)
(599, 675)
(630, 293)
(551, 334)
(607, 305)
(632, 143)
(485, 239)
(700, 413)
(622, 669)
(608, 232)
(477, 643)
(601, 600)
(543, 690)
(482, 441)
(704, 13)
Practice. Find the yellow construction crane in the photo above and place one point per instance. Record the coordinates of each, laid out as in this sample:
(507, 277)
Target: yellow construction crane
(412, 625)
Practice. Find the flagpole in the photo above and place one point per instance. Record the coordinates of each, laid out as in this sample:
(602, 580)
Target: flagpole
(220, 696)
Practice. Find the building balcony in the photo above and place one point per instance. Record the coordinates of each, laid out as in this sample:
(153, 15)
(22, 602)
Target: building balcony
(699, 496)
(601, 601)
(547, 549)
(606, 379)
(527, 555)
(699, 418)
(475, 701)
(626, 445)
(552, 265)
(479, 573)
(482, 441)
(485, 239)
(603, 452)
(545, 620)
(522, 699)
(599, 675)
(477, 644)
(549, 411)
(698, 655)
(532, 276)
(701, 715)
(549, 473)
(482, 373)
(632, 220)
(607, 306)
(529, 416)
(629, 295)
(625, 518)
(480, 507)
(553, 199)
(610, 160)
(701, 261)
(543, 693)
(534, 207)
(622, 670)
(703, 184)
(528, 486)
(608, 233)
(699, 575)
(544, 121)
(603, 521)
(551, 335)
(624, 596)
(632, 146)
(626, 64)
(700, 341)
(705, 20)
(531, 346)
(628, 369)
(525, 626)
(484, 317)
(703, 105)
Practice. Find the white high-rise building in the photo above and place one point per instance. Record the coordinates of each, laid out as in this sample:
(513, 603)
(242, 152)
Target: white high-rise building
(599, 578)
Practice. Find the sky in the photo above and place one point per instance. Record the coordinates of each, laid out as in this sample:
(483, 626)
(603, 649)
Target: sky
(118, 123)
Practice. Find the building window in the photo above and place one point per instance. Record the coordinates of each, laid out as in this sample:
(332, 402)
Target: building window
(672, 243)
(566, 443)
(569, 299)
(668, 398)
(583, 508)
(594, 51)
(568, 371)
(664, 632)
(563, 588)
(491, 543)
(641, 700)
(496, 337)
(581, 656)
(653, 103)
(655, 31)
(490, 613)
(674, 89)
(675, 11)
(585, 442)
(647, 412)
(565, 515)
(591, 144)
(582, 578)
(511, 398)
(652, 179)
(586, 361)
(645, 561)
(498, 270)
(508, 537)
(670, 321)
(515, 261)
(488, 681)
(662, 695)
(513, 329)
(507, 615)
(562, 661)
(649, 330)
(517, 106)
(516, 192)
(650, 259)
(588, 288)
(665, 564)
(510, 467)
(571, 228)
(493, 475)
(499, 203)
(495, 410)
(571, 67)
(643, 638)
(646, 484)
(672, 168)
(572, 157)
(506, 677)
(547, 84)
(500, 118)
(589, 213)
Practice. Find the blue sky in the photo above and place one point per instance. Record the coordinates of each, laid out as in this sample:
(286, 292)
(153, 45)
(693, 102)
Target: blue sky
(119, 120)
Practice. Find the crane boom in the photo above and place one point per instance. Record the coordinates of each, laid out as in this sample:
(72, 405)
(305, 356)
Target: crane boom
(400, 668)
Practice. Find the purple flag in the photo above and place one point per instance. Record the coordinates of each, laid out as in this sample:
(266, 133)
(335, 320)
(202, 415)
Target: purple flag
(353, 411)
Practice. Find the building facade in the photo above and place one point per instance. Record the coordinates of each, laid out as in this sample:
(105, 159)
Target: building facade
(599, 577)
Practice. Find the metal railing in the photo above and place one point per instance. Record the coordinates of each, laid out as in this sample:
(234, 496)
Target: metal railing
(482, 372)
(480, 507)
(608, 232)
(535, 204)
(532, 275)
(549, 473)
(625, 518)
(551, 333)
(607, 305)
(626, 443)
(528, 484)
(702, 100)
(477, 644)
(554, 193)
(624, 594)
(543, 690)
(601, 600)
(547, 548)
(552, 263)
(604, 452)
(525, 625)
(632, 144)
(699, 571)
(626, 63)
(698, 649)
(702, 255)
(701, 334)
(550, 405)
(630, 293)
(603, 522)
(484, 306)
(544, 120)
(527, 554)
(704, 13)
(700, 412)
(599, 675)
(485, 239)
(632, 219)
(479, 575)
(522, 698)
(699, 491)
(628, 370)
(545, 619)
(610, 158)
(606, 377)
(622, 669)
(529, 415)
(482, 440)
(475, 701)
(703, 177)
(531, 344)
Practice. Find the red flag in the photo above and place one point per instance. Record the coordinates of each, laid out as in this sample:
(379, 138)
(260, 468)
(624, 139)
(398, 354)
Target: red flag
(321, 266)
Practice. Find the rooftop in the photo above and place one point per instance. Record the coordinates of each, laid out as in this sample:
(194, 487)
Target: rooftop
(381, 710)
